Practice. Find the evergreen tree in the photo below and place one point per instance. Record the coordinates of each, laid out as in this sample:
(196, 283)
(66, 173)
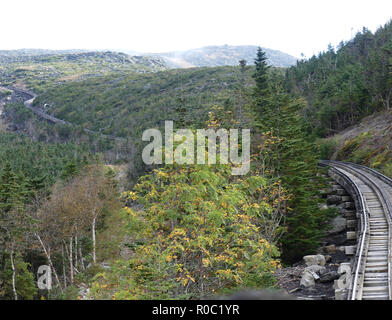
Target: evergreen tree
(10, 195)
(260, 75)
(70, 170)
(14, 225)
(294, 163)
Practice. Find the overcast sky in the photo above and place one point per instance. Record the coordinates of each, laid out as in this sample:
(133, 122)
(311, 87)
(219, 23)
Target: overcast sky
(294, 27)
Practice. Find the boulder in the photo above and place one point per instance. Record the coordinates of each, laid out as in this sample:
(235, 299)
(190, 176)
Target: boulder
(317, 259)
(317, 269)
(307, 280)
(338, 225)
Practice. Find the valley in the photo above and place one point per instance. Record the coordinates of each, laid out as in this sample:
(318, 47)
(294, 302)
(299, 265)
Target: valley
(77, 196)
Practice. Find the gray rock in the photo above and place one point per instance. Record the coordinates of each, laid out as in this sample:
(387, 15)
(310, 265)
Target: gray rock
(334, 199)
(347, 213)
(351, 235)
(307, 280)
(317, 259)
(350, 250)
(329, 276)
(341, 294)
(316, 269)
(336, 187)
(346, 205)
(338, 225)
(341, 192)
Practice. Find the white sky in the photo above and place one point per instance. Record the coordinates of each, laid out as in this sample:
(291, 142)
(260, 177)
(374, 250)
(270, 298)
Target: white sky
(165, 25)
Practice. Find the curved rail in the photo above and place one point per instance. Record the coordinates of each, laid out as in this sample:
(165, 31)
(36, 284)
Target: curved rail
(371, 179)
(361, 206)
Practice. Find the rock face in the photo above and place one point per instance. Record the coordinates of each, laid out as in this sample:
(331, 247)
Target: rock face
(317, 259)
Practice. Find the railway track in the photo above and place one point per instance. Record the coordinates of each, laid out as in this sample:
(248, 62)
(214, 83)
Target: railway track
(372, 193)
(29, 97)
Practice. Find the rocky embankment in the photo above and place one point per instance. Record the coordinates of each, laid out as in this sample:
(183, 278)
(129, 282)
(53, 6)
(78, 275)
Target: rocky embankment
(322, 276)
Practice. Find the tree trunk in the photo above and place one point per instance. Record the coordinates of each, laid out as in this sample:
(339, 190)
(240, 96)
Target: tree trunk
(64, 272)
(76, 251)
(388, 99)
(94, 241)
(13, 272)
(70, 261)
(81, 258)
(49, 260)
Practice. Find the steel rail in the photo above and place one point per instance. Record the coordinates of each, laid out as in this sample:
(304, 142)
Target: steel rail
(358, 170)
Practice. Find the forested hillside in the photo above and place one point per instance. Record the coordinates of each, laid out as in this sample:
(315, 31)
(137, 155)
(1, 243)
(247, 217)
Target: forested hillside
(345, 84)
(125, 105)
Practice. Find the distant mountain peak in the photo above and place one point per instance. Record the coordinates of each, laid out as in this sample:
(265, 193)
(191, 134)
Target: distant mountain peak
(223, 55)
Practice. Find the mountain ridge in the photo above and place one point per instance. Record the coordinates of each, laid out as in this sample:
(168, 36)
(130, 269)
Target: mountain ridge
(224, 55)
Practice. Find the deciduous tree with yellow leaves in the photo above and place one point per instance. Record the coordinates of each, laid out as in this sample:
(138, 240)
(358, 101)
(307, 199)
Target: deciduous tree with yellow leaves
(197, 233)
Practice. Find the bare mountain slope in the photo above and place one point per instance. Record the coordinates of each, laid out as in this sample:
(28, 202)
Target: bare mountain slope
(225, 55)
